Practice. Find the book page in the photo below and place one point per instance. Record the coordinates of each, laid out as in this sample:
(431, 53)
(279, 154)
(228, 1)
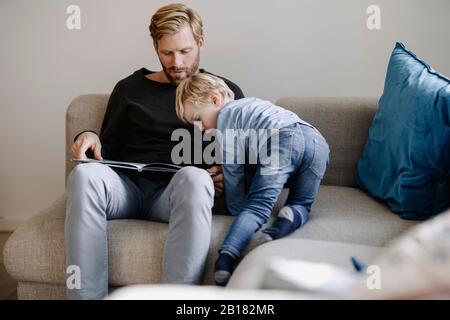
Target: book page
(156, 166)
(119, 164)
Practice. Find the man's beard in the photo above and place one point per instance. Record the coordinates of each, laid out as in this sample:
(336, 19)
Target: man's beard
(189, 71)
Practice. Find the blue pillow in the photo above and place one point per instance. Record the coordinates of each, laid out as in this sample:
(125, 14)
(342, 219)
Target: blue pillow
(406, 160)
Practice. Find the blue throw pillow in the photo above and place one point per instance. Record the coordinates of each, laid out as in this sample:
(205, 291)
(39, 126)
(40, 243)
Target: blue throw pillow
(406, 160)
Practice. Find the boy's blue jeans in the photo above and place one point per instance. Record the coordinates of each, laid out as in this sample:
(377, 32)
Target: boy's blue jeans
(303, 158)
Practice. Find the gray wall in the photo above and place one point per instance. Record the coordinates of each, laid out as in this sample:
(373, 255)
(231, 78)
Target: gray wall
(270, 48)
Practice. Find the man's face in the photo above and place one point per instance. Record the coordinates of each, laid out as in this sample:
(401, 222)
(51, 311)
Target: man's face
(179, 54)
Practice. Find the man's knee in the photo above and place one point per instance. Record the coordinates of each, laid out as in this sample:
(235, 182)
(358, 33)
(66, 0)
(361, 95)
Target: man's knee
(83, 187)
(194, 180)
(85, 173)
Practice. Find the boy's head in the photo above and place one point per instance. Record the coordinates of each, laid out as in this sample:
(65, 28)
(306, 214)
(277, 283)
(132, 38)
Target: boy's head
(199, 99)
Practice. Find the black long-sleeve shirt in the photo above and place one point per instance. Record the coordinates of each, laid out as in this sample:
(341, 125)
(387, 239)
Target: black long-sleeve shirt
(140, 119)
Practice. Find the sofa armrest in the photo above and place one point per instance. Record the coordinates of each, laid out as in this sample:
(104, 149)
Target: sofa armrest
(344, 122)
(35, 243)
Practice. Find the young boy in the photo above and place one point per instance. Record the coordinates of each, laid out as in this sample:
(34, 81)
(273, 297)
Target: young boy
(298, 159)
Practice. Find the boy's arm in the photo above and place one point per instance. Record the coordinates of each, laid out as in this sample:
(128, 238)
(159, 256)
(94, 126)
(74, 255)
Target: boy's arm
(234, 187)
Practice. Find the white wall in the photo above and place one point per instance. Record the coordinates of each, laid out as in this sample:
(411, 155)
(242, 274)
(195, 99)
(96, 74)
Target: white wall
(270, 48)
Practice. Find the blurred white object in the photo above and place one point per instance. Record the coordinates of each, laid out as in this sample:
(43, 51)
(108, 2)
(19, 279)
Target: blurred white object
(414, 266)
(190, 292)
(311, 277)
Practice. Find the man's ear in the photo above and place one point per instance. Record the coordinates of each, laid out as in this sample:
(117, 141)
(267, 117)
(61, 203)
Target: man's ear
(201, 42)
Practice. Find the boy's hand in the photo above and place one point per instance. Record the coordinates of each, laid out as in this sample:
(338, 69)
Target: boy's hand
(87, 140)
(217, 179)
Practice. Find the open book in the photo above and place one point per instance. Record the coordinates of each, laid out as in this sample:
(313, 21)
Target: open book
(156, 166)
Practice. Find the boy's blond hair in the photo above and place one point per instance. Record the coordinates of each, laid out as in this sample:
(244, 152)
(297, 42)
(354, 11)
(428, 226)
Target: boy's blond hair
(171, 18)
(198, 88)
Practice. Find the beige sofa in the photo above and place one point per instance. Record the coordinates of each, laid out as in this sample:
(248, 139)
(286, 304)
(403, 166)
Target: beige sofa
(344, 221)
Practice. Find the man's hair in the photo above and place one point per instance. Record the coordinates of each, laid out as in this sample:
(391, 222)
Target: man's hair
(171, 18)
(198, 88)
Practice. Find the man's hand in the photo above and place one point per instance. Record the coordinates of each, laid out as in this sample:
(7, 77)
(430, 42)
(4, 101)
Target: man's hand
(87, 140)
(217, 179)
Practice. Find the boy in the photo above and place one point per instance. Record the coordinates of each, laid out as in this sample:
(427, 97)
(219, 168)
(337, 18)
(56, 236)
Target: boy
(298, 158)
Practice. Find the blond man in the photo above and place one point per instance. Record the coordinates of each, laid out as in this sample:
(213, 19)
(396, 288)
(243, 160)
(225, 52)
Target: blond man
(137, 127)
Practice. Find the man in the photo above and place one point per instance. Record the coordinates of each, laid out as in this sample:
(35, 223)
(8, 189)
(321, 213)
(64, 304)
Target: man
(137, 127)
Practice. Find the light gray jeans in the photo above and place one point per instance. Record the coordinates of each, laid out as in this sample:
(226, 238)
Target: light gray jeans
(97, 193)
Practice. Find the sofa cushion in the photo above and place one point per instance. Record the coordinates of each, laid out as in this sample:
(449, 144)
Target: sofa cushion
(347, 214)
(35, 252)
(406, 160)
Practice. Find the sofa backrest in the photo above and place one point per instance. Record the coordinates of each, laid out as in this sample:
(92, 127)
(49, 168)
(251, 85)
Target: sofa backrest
(344, 122)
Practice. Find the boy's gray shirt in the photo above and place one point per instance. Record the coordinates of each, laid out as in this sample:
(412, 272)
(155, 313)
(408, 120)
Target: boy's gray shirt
(247, 114)
(254, 113)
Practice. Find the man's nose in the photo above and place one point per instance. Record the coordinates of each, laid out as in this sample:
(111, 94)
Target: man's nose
(177, 61)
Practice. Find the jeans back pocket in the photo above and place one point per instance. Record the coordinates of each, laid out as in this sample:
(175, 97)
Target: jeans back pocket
(320, 159)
